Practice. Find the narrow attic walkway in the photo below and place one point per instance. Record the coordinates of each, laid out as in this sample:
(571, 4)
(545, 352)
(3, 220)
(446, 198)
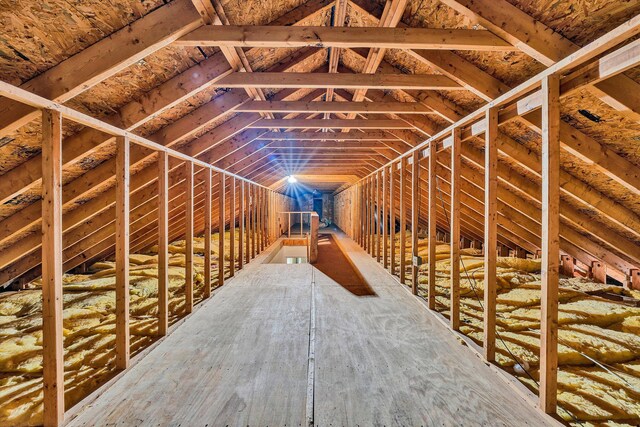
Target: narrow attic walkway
(243, 357)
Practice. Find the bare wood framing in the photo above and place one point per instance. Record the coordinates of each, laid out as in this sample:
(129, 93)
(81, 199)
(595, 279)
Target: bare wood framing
(490, 233)
(207, 232)
(338, 81)
(53, 351)
(221, 227)
(392, 220)
(403, 218)
(433, 209)
(378, 213)
(188, 247)
(232, 227)
(330, 124)
(415, 206)
(122, 252)
(456, 177)
(550, 243)
(365, 107)
(385, 222)
(345, 37)
(163, 243)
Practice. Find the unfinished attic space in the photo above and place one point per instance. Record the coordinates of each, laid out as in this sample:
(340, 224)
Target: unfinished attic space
(319, 213)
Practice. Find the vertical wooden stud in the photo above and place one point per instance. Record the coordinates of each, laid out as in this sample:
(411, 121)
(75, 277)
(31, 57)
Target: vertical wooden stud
(490, 233)
(232, 227)
(403, 220)
(163, 243)
(254, 221)
(53, 351)
(247, 236)
(550, 243)
(634, 279)
(415, 206)
(384, 222)
(207, 232)
(241, 230)
(432, 234)
(122, 252)
(221, 226)
(378, 214)
(392, 219)
(188, 247)
(454, 317)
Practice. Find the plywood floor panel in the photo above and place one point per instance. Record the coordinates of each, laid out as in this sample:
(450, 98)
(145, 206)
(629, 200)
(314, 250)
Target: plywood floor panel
(239, 360)
(382, 360)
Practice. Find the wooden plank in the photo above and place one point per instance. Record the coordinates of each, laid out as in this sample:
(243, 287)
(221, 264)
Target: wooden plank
(394, 331)
(598, 272)
(385, 218)
(241, 225)
(550, 244)
(254, 216)
(354, 135)
(378, 213)
(345, 37)
(248, 222)
(330, 124)
(433, 209)
(52, 337)
(221, 226)
(392, 219)
(232, 227)
(122, 252)
(456, 176)
(295, 80)
(415, 206)
(188, 238)
(228, 364)
(490, 233)
(163, 243)
(207, 232)
(365, 107)
(403, 218)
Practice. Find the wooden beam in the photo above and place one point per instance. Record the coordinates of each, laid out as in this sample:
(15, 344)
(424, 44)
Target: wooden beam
(433, 206)
(338, 81)
(247, 213)
(550, 244)
(490, 233)
(378, 212)
(415, 212)
(188, 238)
(221, 227)
(122, 252)
(329, 124)
(355, 135)
(385, 217)
(345, 37)
(52, 337)
(102, 60)
(241, 226)
(366, 107)
(454, 316)
(392, 219)
(207, 232)
(232, 227)
(163, 243)
(403, 219)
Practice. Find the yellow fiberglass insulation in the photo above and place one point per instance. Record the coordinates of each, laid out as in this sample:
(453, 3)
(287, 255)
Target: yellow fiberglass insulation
(598, 344)
(88, 328)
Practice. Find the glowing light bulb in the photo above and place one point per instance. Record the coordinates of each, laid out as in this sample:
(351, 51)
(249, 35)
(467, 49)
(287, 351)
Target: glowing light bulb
(291, 179)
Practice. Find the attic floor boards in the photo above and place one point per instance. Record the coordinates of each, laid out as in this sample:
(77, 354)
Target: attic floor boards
(241, 360)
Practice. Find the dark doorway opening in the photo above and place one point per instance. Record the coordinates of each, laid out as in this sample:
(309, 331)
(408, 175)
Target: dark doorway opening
(317, 207)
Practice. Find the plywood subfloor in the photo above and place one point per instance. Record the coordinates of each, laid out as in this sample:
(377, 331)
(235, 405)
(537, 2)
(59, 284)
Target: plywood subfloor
(242, 358)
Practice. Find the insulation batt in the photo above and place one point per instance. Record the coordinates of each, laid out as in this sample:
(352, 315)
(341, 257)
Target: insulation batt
(88, 327)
